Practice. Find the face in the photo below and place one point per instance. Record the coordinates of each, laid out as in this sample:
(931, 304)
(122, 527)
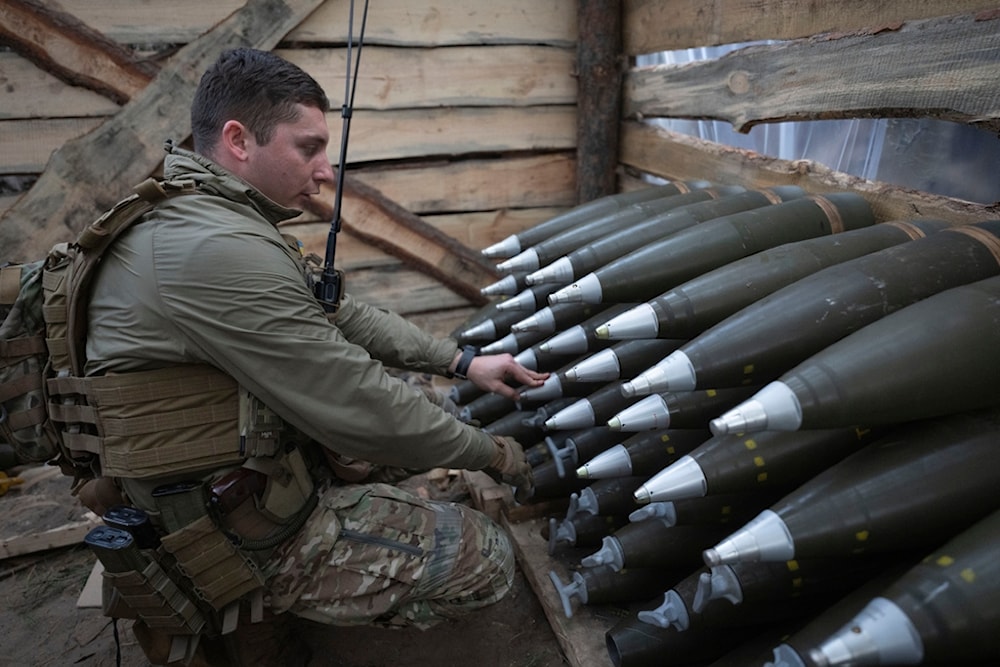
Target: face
(290, 168)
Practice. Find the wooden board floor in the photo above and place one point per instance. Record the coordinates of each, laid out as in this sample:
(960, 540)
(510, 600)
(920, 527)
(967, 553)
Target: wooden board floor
(581, 637)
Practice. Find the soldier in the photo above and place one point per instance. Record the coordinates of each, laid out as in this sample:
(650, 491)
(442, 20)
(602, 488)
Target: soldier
(206, 291)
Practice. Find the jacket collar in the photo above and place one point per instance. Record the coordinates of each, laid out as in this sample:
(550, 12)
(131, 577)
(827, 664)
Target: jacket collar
(181, 163)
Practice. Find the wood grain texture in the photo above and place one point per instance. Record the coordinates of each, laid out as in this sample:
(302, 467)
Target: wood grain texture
(369, 215)
(941, 68)
(89, 174)
(454, 131)
(477, 184)
(154, 22)
(481, 76)
(679, 157)
(600, 64)
(62, 44)
(665, 25)
(32, 93)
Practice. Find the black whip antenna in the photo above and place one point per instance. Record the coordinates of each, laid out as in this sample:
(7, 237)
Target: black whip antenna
(330, 287)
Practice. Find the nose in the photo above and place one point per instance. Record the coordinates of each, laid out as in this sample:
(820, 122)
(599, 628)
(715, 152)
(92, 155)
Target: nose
(324, 172)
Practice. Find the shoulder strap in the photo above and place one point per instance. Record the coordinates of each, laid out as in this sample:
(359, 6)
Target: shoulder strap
(90, 245)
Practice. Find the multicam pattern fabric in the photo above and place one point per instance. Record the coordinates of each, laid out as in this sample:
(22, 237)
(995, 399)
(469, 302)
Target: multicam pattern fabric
(423, 383)
(24, 423)
(376, 554)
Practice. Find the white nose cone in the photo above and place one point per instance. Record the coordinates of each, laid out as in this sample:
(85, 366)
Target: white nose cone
(682, 479)
(523, 261)
(675, 373)
(765, 538)
(577, 415)
(637, 322)
(773, 408)
(603, 365)
(585, 290)
(559, 272)
(881, 634)
(648, 414)
(508, 247)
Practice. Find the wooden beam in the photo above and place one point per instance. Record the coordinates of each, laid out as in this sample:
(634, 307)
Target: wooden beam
(28, 144)
(61, 44)
(655, 25)
(371, 216)
(454, 131)
(475, 229)
(477, 184)
(399, 22)
(940, 68)
(599, 59)
(523, 75)
(63, 536)
(32, 93)
(396, 231)
(581, 637)
(679, 157)
(89, 174)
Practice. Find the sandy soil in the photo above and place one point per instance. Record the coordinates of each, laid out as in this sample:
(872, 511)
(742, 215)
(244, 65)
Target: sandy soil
(41, 624)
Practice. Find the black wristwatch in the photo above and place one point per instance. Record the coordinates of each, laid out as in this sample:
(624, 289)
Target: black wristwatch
(469, 352)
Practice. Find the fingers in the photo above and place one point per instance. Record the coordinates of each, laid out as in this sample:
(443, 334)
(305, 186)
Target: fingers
(524, 487)
(512, 464)
(504, 390)
(526, 376)
(491, 372)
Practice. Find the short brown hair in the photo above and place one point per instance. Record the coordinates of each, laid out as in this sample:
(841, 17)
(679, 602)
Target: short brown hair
(257, 88)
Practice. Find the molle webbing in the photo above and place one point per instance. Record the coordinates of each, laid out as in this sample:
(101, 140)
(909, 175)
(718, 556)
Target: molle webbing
(143, 424)
(85, 254)
(10, 284)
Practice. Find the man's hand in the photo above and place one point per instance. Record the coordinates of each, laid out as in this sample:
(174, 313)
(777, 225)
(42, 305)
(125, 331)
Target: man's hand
(510, 465)
(490, 372)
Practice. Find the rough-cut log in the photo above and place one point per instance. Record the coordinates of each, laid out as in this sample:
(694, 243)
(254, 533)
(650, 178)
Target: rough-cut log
(89, 174)
(654, 25)
(387, 225)
(369, 215)
(600, 66)
(79, 55)
(678, 157)
(941, 68)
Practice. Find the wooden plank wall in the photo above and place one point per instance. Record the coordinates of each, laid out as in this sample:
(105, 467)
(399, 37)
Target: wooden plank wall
(464, 114)
(842, 59)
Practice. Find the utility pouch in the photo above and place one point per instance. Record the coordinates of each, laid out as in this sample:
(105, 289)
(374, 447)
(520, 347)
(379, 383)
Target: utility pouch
(137, 587)
(289, 485)
(260, 427)
(218, 572)
(180, 504)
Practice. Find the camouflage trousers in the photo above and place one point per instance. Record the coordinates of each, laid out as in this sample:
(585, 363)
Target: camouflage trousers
(376, 554)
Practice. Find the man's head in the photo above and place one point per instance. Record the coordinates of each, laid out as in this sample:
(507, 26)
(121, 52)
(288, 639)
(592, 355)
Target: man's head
(263, 118)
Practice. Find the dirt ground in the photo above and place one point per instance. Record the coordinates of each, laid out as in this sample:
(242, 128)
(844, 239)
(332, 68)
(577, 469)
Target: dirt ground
(41, 624)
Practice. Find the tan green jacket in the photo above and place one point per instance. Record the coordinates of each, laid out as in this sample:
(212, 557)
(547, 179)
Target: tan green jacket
(208, 278)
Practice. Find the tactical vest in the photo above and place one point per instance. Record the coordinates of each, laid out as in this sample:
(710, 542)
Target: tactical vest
(184, 560)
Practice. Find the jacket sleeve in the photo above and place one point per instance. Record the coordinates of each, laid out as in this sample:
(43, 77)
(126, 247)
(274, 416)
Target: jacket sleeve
(393, 340)
(240, 302)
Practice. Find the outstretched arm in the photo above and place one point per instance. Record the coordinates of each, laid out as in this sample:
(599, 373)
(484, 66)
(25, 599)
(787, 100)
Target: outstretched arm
(490, 372)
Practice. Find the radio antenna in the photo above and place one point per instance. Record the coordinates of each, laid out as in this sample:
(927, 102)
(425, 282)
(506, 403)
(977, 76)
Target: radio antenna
(330, 287)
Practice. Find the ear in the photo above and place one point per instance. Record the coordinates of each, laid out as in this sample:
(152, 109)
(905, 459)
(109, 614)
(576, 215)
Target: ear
(236, 141)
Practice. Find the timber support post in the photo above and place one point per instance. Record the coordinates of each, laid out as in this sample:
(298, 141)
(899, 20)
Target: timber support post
(600, 73)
